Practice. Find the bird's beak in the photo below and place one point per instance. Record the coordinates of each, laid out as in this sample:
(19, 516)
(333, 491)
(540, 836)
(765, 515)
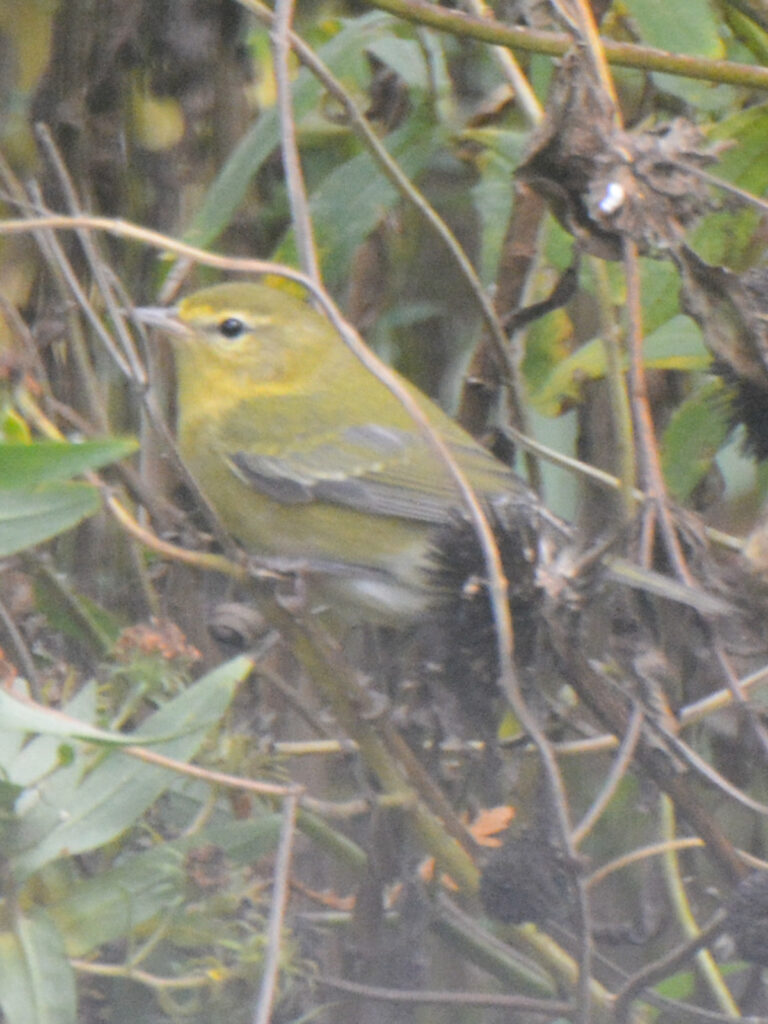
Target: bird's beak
(164, 318)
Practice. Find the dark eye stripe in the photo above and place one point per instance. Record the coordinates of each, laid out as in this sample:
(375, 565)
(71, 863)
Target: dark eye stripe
(232, 327)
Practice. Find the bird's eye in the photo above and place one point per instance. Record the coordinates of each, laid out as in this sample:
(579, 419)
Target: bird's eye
(232, 327)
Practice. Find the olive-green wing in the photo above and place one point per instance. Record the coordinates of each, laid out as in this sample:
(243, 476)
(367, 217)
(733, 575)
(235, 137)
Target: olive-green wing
(380, 470)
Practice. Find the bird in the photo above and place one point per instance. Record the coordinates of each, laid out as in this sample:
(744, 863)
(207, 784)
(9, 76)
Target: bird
(307, 458)
(315, 467)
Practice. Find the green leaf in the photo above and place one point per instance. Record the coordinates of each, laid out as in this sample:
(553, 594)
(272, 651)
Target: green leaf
(26, 763)
(34, 505)
(75, 615)
(9, 793)
(726, 236)
(660, 285)
(27, 716)
(745, 162)
(676, 345)
(354, 198)
(405, 57)
(36, 980)
(695, 433)
(492, 197)
(116, 793)
(27, 465)
(547, 357)
(685, 28)
(343, 54)
(14, 428)
(111, 905)
(29, 517)
(677, 986)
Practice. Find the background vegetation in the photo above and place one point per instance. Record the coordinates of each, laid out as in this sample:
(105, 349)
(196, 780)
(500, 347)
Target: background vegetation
(556, 233)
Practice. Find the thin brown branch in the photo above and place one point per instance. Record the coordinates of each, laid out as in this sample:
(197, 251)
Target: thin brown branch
(748, 715)
(294, 179)
(556, 44)
(525, 97)
(263, 1010)
(98, 265)
(621, 764)
(209, 775)
(525, 1004)
(662, 968)
(650, 462)
(640, 854)
(579, 15)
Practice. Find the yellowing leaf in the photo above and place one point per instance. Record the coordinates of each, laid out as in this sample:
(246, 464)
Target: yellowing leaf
(158, 122)
(489, 822)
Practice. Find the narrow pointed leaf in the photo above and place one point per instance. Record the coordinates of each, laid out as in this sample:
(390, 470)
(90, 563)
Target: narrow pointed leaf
(120, 789)
(27, 465)
(36, 979)
(29, 517)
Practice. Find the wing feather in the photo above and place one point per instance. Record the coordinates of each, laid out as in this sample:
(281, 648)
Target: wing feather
(374, 469)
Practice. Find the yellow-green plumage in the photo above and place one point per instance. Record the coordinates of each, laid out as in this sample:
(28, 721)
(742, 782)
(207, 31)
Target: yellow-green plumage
(305, 455)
